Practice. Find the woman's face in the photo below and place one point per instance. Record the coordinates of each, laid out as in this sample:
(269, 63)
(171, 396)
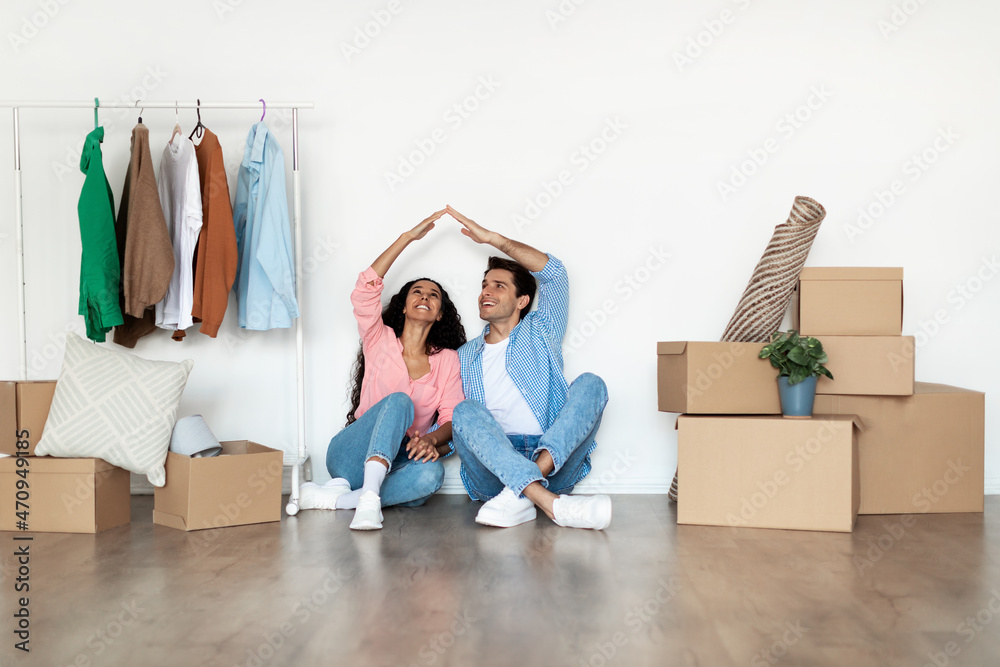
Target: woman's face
(423, 302)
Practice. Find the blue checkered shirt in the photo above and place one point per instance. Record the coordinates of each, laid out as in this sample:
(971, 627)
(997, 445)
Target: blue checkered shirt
(534, 354)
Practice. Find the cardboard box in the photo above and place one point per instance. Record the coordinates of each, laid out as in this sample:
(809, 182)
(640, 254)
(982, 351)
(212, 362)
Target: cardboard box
(868, 365)
(715, 378)
(769, 472)
(8, 418)
(240, 486)
(24, 407)
(861, 301)
(919, 453)
(78, 495)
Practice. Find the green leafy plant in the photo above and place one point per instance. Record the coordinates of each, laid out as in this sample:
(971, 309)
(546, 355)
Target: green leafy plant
(797, 357)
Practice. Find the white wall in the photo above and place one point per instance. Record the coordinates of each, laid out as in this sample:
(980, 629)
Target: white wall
(885, 80)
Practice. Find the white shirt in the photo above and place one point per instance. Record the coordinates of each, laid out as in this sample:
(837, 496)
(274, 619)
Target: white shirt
(503, 398)
(180, 197)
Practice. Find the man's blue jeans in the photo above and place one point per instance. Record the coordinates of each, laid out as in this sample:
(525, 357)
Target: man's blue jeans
(492, 460)
(381, 432)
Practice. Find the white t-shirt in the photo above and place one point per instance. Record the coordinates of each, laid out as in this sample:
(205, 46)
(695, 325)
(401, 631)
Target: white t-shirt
(180, 197)
(503, 398)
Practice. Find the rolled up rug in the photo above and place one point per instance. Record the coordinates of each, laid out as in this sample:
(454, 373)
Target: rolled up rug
(766, 297)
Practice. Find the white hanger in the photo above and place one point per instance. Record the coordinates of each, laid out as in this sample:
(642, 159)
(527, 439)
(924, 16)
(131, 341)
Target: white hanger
(177, 127)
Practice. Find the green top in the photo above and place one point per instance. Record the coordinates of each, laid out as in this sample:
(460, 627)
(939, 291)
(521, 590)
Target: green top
(100, 270)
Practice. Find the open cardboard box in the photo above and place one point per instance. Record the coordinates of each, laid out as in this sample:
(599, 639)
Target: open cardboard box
(240, 486)
(849, 301)
(715, 378)
(768, 472)
(919, 453)
(64, 495)
(24, 407)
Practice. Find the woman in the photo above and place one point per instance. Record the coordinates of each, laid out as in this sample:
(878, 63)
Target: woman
(407, 371)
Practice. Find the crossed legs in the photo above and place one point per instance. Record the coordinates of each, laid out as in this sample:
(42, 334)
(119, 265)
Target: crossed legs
(541, 468)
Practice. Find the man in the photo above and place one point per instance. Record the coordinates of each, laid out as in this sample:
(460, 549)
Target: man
(524, 436)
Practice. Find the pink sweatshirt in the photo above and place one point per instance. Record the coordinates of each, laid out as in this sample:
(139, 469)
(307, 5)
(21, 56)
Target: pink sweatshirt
(438, 391)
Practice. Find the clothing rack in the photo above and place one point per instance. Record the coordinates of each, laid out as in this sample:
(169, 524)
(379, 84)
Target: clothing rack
(293, 507)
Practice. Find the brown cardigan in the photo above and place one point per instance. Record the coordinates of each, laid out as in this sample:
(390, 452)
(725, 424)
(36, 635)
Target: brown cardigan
(216, 258)
(143, 244)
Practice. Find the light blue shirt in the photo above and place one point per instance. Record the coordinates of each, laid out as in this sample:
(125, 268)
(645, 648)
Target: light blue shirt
(265, 273)
(534, 354)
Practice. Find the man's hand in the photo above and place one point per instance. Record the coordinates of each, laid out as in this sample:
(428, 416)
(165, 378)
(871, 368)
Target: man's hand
(470, 228)
(422, 449)
(532, 259)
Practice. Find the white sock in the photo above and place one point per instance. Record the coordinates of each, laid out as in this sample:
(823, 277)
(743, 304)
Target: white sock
(375, 472)
(349, 501)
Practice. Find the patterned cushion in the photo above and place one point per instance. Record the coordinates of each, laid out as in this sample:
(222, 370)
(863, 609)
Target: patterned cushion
(114, 406)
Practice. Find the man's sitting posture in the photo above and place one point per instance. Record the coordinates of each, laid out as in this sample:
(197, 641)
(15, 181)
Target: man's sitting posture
(524, 436)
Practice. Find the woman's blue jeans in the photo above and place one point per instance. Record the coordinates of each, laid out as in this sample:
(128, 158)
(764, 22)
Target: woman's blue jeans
(381, 432)
(492, 460)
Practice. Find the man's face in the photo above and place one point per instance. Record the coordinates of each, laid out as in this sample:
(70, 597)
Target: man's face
(497, 300)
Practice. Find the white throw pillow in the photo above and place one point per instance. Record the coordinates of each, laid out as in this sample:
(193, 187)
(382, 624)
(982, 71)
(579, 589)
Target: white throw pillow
(114, 406)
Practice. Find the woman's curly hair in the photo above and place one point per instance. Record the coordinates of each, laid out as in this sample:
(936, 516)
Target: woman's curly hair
(446, 333)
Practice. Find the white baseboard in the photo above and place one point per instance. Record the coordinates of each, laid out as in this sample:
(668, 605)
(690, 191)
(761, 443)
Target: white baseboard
(651, 486)
(992, 487)
(453, 485)
(140, 486)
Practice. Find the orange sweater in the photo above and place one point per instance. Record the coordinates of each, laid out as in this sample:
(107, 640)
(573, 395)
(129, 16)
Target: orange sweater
(216, 258)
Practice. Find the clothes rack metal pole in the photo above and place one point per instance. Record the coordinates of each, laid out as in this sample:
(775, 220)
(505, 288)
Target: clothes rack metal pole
(22, 357)
(293, 501)
(151, 104)
(302, 457)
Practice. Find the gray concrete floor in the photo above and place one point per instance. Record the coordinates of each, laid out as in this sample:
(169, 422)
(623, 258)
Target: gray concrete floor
(434, 588)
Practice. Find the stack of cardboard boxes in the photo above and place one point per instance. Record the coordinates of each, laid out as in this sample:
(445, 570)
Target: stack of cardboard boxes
(923, 445)
(879, 442)
(89, 495)
(54, 495)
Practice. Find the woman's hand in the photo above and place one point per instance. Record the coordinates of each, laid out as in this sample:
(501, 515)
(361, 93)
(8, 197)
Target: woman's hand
(426, 225)
(422, 448)
(384, 261)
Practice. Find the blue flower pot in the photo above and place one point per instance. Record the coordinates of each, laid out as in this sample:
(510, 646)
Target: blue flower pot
(797, 399)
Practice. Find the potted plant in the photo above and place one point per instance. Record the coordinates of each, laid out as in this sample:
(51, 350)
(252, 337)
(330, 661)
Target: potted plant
(799, 360)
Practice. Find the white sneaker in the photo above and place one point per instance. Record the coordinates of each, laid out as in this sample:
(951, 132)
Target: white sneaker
(368, 516)
(505, 510)
(592, 512)
(315, 497)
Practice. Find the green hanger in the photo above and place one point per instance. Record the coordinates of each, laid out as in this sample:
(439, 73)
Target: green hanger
(97, 103)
